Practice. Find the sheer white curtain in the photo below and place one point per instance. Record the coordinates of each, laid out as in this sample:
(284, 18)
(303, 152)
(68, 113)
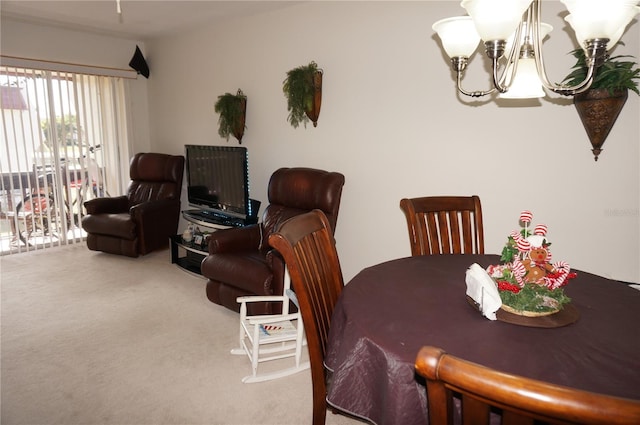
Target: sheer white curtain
(63, 141)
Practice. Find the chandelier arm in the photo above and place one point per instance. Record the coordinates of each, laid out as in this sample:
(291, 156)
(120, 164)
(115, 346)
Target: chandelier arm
(498, 81)
(495, 51)
(459, 64)
(472, 93)
(536, 19)
(595, 52)
(536, 8)
(578, 88)
(511, 66)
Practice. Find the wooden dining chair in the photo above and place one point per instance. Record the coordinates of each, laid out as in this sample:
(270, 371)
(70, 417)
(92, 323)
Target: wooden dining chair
(444, 224)
(518, 400)
(307, 245)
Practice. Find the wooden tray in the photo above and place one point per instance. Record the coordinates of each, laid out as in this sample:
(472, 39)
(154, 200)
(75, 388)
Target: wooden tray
(568, 315)
(528, 313)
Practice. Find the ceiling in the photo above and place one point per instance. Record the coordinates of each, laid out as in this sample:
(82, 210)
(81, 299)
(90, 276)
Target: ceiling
(139, 20)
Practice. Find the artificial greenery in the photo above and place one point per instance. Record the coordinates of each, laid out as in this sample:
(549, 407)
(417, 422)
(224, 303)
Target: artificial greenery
(535, 298)
(532, 297)
(298, 88)
(231, 110)
(613, 74)
(510, 250)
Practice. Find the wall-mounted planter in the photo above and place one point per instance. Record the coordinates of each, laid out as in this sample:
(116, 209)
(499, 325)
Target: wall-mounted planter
(233, 111)
(598, 110)
(303, 90)
(314, 112)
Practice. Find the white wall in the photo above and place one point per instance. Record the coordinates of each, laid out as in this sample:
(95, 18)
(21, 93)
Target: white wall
(393, 124)
(31, 41)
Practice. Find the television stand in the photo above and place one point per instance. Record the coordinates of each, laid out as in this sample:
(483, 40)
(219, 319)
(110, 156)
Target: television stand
(216, 220)
(189, 255)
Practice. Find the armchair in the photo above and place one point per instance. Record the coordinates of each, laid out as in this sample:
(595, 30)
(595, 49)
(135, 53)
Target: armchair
(241, 262)
(142, 220)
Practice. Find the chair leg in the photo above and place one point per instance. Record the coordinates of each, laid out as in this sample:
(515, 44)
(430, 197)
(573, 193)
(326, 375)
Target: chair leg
(240, 336)
(255, 350)
(319, 412)
(319, 399)
(241, 332)
(299, 342)
(243, 315)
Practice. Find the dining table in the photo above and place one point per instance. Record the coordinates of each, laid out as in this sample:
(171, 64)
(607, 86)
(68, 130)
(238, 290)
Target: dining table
(388, 311)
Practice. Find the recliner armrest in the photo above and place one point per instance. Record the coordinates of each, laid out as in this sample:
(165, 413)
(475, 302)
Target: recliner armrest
(236, 239)
(152, 207)
(156, 221)
(113, 205)
(277, 266)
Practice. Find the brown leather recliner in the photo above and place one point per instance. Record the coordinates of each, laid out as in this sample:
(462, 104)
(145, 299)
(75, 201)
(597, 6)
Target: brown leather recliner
(240, 260)
(142, 220)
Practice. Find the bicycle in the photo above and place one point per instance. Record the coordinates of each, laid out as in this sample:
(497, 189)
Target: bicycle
(38, 214)
(84, 183)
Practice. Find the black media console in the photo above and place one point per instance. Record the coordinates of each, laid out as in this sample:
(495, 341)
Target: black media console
(189, 255)
(209, 218)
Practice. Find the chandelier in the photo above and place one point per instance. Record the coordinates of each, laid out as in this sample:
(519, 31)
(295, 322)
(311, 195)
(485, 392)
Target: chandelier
(512, 32)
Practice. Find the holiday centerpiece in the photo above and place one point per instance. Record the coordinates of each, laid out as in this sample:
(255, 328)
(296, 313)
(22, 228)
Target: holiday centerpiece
(528, 282)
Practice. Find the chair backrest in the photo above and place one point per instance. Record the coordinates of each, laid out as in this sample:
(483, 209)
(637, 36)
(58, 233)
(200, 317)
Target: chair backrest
(444, 224)
(517, 399)
(307, 245)
(294, 191)
(155, 176)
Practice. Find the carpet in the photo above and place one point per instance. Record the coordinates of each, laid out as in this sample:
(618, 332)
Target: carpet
(91, 338)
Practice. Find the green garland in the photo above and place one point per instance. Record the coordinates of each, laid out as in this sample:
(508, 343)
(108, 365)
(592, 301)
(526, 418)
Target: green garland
(535, 298)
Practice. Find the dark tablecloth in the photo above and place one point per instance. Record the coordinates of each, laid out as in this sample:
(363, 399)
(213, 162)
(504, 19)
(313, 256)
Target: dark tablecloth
(388, 311)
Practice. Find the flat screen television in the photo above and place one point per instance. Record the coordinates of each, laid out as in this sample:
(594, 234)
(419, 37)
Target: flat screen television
(218, 180)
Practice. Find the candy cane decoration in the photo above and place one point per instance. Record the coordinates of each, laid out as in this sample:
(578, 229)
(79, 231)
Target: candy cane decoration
(540, 229)
(523, 246)
(562, 272)
(518, 270)
(563, 268)
(526, 216)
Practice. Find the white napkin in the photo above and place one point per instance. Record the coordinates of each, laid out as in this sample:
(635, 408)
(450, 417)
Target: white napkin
(483, 290)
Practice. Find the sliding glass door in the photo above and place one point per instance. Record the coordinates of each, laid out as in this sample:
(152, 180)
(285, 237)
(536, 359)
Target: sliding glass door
(63, 141)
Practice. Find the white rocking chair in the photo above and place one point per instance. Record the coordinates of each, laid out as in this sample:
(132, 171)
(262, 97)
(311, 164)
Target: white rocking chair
(271, 337)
